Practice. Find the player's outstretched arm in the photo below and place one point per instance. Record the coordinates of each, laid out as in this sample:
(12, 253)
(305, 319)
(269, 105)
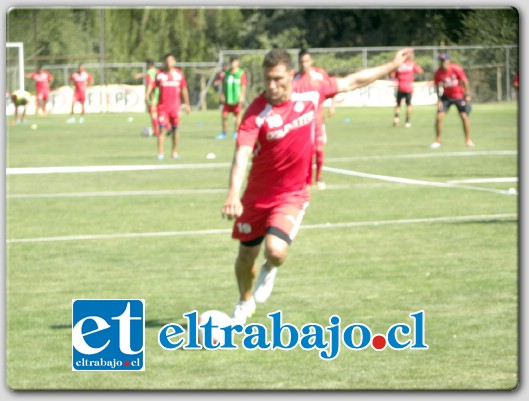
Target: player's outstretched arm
(365, 77)
(232, 206)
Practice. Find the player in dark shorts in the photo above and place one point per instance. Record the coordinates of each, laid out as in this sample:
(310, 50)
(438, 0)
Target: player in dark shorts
(405, 76)
(453, 81)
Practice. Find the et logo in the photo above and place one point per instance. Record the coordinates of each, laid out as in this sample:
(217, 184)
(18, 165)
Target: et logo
(108, 335)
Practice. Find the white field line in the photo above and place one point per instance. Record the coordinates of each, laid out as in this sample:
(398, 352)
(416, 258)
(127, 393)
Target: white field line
(426, 155)
(411, 181)
(227, 231)
(99, 169)
(105, 169)
(484, 180)
(155, 192)
(121, 193)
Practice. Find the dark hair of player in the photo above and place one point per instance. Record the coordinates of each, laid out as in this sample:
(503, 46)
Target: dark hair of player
(277, 56)
(303, 52)
(165, 57)
(150, 62)
(233, 58)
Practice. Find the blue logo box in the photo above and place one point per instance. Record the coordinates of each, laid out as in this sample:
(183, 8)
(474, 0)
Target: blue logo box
(108, 335)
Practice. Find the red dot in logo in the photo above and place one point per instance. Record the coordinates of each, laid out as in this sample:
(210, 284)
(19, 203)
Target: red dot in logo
(378, 342)
(127, 363)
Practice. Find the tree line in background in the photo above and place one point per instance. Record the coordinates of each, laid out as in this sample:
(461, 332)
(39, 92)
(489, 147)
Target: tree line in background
(71, 35)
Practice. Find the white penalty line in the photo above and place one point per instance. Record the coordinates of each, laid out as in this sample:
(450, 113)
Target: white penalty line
(412, 181)
(484, 180)
(154, 192)
(426, 155)
(121, 193)
(106, 169)
(227, 231)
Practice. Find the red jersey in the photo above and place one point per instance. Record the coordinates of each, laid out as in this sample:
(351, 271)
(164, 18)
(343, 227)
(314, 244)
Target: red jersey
(282, 139)
(315, 74)
(405, 75)
(42, 81)
(450, 81)
(170, 84)
(80, 80)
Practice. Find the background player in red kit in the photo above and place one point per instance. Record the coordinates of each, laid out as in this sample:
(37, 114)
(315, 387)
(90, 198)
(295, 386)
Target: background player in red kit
(456, 90)
(405, 75)
(172, 84)
(43, 80)
(81, 80)
(308, 71)
(277, 129)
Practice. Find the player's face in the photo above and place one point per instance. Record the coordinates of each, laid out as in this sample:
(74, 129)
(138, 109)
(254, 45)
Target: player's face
(234, 64)
(445, 64)
(278, 84)
(305, 63)
(169, 62)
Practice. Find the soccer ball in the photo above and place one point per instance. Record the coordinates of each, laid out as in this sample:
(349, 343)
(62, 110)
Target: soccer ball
(219, 319)
(147, 131)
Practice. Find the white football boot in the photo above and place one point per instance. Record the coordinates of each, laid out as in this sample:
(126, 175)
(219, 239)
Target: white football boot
(264, 284)
(242, 311)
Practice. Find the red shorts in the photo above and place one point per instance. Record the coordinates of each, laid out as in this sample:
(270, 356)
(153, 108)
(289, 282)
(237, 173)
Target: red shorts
(168, 117)
(281, 216)
(79, 97)
(43, 95)
(232, 108)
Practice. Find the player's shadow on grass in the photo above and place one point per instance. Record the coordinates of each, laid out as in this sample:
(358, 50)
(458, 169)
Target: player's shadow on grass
(149, 324)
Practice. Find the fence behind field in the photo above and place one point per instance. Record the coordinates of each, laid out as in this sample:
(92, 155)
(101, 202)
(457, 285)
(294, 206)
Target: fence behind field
(490, 69)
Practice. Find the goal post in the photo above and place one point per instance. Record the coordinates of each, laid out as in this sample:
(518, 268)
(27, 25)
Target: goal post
(16, 67)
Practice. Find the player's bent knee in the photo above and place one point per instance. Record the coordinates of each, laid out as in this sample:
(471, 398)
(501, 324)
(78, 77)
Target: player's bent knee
(275, 256)
(275, 250)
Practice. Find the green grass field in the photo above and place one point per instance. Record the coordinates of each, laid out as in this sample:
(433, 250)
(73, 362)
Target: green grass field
(463, 272)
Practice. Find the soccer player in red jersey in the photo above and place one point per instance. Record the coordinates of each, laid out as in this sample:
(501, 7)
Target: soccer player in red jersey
(405, 75)
(278, 130)
(172, 84)
(81, 80)
(456, 90)
(308, 71)
(43, 80)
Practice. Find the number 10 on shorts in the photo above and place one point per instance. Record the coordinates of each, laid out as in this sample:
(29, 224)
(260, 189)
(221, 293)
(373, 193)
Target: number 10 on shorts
(244, 228)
